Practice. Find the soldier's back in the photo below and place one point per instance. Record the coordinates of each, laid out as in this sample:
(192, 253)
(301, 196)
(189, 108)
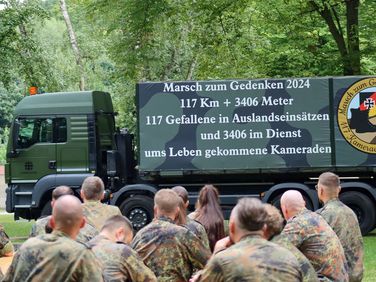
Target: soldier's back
(41, 227)
(120, 262)
(309, 273)
(345, 224)
(169, 250)
(53, 257)
(199, 230)
(97, 213)
(253, 259)
(312, 235)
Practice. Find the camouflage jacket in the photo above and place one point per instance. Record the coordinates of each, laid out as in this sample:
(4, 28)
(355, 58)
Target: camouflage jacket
(310, 233)
(54, 257)
(169, 250)
(120, 262)
(97, 213)
(6, 245)
(40, 227)
(309, 273)
(252, 259)
(345, 224)
(199, 230)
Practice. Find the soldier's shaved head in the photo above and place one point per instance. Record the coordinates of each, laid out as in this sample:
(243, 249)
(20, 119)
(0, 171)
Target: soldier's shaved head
(291, 203)
(117, 221)
(274, 221)
(118, 228)
(329, 185)
(167, 202)
(67, 215)
(61, 191)
(92, 188)
(182, 193)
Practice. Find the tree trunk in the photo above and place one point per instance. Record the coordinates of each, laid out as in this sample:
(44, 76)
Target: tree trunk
(352, 17)
(73, 41)
(349, 47)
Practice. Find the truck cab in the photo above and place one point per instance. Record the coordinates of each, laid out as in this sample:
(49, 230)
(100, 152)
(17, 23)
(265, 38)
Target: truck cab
(56, 139)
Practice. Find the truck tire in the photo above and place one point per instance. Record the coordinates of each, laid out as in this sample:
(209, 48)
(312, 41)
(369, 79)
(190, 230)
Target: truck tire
(276, 201)
(47, 209)
(363, 208)
(139, 210)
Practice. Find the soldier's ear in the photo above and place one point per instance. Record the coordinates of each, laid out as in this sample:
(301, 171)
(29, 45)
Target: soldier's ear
(52, 222)
(83, 222)
(155, 211)
(339, 189)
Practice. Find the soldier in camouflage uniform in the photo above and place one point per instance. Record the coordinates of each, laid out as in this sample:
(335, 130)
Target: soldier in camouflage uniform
(274, 226)
(120, 262)
(246, 255)
(57, 257)
(310, 233)
(96, 213)
(196, 227)
(42, 226)
(169, 250)
(343, 221)
(6, 246)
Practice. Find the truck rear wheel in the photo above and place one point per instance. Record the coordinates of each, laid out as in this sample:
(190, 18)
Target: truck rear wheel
(363, 208)
(139, 210)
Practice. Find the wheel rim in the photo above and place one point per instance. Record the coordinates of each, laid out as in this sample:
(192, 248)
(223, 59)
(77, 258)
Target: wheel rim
(138, 217)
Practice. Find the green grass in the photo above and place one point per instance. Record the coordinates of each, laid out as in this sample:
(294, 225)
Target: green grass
(21, 229)
(16, 230)
(370, 256)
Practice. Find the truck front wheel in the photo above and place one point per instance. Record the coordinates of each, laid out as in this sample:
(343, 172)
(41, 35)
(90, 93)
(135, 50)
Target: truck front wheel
(139, 210)
(363, 208)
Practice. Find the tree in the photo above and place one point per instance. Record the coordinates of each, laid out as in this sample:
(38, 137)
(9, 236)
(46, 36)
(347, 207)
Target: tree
(74, 44)
(347, 42)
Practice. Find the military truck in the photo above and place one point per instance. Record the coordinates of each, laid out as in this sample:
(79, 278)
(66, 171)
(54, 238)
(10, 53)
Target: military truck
(254, 138)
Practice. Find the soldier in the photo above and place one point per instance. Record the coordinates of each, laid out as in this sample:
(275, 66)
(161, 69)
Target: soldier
(92, 192)
(196, 227)
(343, 221)
(274, 226)
(56, 256)
(246, 255)
(169, 250)
(310, 233)
(120, 262)
(6, 246)
(41, 226)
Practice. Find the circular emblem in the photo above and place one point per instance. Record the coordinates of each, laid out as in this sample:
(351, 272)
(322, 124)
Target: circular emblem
(357, 115)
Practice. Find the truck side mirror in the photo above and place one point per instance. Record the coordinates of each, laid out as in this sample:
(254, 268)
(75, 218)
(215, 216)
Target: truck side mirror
(16, 129)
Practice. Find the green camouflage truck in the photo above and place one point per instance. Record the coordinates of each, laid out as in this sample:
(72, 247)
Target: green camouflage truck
(254, 138)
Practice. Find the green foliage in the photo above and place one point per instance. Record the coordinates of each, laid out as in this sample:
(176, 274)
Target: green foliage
(123, 42)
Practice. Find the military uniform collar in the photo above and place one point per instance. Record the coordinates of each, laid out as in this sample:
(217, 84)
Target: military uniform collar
(165, 218)
(301, 212)
(251, 235)
(331, 201)
(59, 233)
(91, 202)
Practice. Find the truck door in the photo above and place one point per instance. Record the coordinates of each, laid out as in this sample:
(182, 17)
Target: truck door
(36, 145)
